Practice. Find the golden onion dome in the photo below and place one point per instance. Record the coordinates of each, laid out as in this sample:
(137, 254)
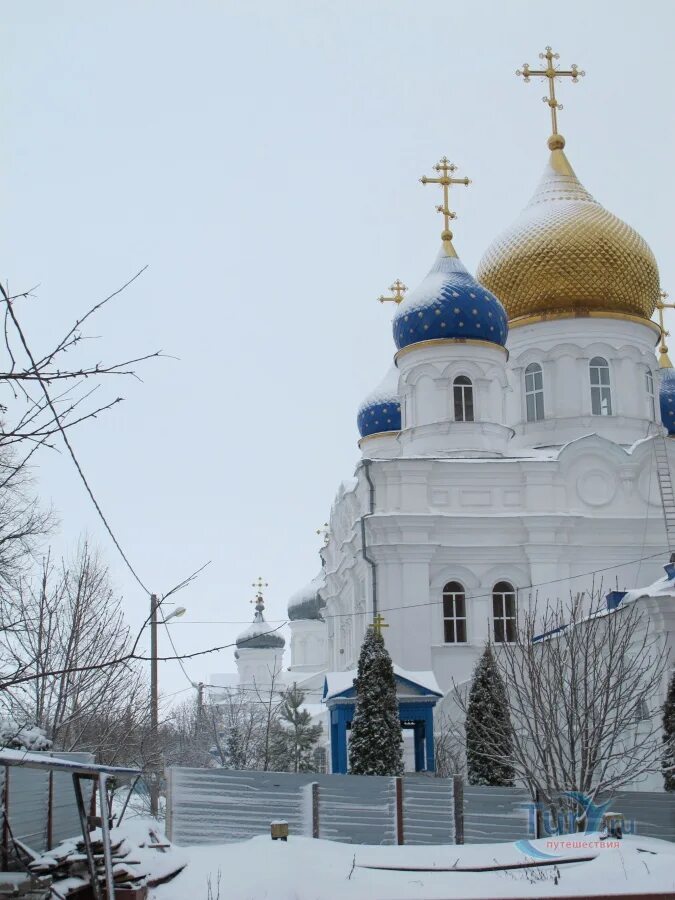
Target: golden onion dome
(568, 256)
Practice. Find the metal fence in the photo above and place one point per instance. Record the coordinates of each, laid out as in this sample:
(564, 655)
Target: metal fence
(218, 805)
(39, 808)
(211, 806)
(652, 814)
(493, 814)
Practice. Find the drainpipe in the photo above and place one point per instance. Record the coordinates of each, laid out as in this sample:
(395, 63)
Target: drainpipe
(364, 545)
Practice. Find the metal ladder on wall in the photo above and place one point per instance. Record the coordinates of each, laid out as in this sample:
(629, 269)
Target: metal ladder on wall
(665, 487)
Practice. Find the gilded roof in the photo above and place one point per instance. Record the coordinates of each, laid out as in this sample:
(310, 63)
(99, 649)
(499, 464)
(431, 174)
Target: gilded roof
(567, 255)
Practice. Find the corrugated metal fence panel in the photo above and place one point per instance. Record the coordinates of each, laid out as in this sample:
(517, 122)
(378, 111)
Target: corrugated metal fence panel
(357, 809)
(214, 806)
(428, 810)
(653, 813)
(27, 806)
(65, 818)
(494, 814)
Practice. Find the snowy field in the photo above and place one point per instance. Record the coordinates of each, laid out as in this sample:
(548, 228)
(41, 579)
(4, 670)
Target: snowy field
(307, 869)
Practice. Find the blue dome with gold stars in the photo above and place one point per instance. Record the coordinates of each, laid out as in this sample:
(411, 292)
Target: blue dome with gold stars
(667, 399)
(449, 303)
(381, 410)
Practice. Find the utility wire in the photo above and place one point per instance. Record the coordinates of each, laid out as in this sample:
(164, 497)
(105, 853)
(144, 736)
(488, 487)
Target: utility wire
(525, 587)
(66, 441)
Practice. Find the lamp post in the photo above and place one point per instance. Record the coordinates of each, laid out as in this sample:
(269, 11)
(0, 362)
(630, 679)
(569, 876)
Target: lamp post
(154, 700)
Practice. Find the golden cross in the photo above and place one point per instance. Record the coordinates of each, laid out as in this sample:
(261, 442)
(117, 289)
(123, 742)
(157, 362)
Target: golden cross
(379, 624)
(664, 359)
(445, 168)
(398, 289)
(552, 73)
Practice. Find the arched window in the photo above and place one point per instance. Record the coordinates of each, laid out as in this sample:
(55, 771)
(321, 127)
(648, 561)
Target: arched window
(649, 387)
(454, 613)
(601, 393)
(504, 612)
(534, 392)
(462, 390)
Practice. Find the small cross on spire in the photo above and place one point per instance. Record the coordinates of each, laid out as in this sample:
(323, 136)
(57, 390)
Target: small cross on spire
(378, 624)
(556, 141)
(445, 168)
(664, 359)
(398, 289)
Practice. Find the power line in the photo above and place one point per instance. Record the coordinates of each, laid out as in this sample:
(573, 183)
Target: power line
(66, 441)
(525, 587)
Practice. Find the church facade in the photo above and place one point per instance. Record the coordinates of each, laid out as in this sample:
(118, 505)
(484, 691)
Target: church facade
(517, 450)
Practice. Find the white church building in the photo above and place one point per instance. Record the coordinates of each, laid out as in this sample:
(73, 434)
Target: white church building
(518, 446)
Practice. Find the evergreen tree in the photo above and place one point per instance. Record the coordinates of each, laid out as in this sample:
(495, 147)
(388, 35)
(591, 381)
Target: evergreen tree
(669, 737)
(375, 745)
(294, 737)
(489, 733)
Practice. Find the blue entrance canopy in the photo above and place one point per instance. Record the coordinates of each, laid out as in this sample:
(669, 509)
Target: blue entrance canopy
(417, 694)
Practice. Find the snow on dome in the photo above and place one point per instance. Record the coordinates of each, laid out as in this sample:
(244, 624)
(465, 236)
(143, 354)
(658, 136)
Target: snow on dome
(307, 603)
(566, 254)
(381, 409)
(259, 635)
(449, 303)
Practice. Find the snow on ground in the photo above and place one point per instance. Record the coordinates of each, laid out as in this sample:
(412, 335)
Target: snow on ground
(307, 869)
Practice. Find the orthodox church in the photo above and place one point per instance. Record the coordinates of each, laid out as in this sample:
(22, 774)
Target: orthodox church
(517, 447)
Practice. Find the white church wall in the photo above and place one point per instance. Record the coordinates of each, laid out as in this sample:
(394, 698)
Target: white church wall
(308, 645)
(550, 522)
(426, 382)
(564, 349)
(259, 668)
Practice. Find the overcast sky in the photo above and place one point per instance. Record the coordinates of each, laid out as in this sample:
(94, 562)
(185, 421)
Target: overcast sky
(263, 160)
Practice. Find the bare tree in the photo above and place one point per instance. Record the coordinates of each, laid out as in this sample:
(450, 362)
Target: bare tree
(581, 690)
(449, 747)
(49, 391)
(69, 618)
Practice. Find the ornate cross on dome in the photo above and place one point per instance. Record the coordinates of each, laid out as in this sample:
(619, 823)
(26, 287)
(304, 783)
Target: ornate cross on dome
(445, 168)
(556, 141)
(259, 585)
(398, 289)
(664, 359)
(379, 624)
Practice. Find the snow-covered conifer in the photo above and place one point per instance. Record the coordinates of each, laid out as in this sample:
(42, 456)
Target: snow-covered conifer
(375, 745)
(489, 733)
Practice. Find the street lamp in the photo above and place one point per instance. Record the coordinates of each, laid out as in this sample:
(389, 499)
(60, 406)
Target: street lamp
(154, 697)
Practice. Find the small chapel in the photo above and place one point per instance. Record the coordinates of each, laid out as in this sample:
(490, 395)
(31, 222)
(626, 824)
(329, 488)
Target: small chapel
(518, 444)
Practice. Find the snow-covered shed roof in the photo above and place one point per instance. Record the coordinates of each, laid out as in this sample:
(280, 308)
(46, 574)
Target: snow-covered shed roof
(340, 683)
(34, 760)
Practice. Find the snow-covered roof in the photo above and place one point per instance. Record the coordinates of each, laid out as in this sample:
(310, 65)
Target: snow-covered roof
(618, 600)
(306, 603)
(259, 635)
(33, 760)
(662, 587)
(339, 682)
